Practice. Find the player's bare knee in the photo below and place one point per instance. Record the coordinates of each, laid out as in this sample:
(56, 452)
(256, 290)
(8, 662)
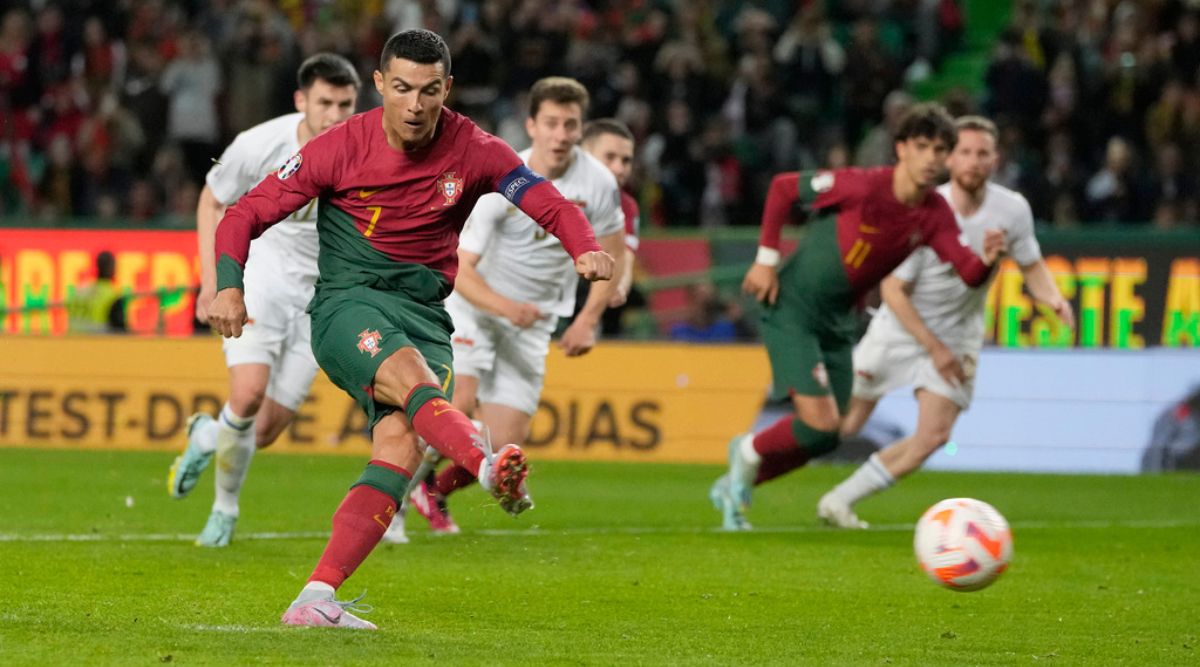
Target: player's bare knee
(394, 441)
(247, 399)
(267, 436)
(929, 440)
(399, 373)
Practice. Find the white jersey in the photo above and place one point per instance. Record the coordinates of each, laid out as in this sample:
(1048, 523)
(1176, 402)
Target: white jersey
(524, 262)
(291, 246)
(952, 310)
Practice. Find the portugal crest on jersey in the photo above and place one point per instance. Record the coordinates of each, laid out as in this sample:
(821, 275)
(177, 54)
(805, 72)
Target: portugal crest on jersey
(450, 187)
(368, 341)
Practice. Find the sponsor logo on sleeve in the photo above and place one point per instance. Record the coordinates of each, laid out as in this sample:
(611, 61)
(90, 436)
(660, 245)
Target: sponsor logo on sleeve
(514, 187)
(290, 167)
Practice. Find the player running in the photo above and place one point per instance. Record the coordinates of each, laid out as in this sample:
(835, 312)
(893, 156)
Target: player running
(271, 366)
(868, 222)
(929, 330)
(395, 186)
(611, 142)
(515, 281)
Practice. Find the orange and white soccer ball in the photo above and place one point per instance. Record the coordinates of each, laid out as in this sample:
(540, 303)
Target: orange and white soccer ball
(963, 544)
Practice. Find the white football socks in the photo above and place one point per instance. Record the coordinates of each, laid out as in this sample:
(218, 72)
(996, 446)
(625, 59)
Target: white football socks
(749, 453)
(315, 590)
(870, 478)
(235, 447)
(205, 436)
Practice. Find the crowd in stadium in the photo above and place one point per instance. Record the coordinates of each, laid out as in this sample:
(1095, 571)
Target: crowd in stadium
(117, 114)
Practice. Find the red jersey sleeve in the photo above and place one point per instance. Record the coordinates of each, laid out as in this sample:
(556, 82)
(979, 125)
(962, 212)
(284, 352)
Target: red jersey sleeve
(633, 220)
(536, 197)
(305, 176)
(813, 190)
(947, 241)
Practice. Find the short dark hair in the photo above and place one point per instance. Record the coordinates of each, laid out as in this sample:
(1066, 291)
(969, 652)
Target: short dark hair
(560, 90)
(106, 265)
(328, 67)
(930, 121)
(602, 126)
(420, 46)
(978, 124)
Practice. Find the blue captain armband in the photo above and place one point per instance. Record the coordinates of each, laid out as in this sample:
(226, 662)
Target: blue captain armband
(517, 182)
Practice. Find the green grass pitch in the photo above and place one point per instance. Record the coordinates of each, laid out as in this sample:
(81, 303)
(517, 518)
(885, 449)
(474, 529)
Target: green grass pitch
(618, 564)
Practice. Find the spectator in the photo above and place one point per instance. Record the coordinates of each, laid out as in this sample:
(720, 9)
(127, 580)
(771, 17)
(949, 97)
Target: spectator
(706, 320)
(810, 61)
(97, 306)
(1016, 88)
(1169, 193)
(878, 148)
(145, 101)
(1110, 194)
(767, 85)
(191, 84)
(101, 62)
(869, 76)
(680, 166)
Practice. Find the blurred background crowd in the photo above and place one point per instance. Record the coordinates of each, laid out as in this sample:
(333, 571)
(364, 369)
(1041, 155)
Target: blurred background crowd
(114, 110)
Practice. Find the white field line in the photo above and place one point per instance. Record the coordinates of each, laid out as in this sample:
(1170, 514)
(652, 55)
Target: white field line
(237, 629)
(585, 532)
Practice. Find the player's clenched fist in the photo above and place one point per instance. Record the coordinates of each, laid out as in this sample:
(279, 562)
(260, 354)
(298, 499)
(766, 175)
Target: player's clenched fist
(995, 243)
(227, 313)
(596, 265)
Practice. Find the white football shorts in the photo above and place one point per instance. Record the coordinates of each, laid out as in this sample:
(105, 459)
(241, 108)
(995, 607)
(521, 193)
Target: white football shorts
(883, 362)
(278, 332)
(510, 362)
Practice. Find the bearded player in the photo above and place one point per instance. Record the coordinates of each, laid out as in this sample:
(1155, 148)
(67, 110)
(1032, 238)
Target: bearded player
(929, 331)
(866, 223)
(395, 186)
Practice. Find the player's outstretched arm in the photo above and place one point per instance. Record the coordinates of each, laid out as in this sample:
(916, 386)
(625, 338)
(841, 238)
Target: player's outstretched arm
(947, 242)
(540, 200)
(208, 213)
(897, 294)
(1040, 283)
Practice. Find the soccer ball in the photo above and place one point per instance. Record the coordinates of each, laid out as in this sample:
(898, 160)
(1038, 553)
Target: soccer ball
(963, 544)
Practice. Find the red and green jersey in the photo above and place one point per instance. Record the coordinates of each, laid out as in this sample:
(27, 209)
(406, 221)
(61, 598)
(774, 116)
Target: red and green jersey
(390, 219)
(860, 234)
(633, 220)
